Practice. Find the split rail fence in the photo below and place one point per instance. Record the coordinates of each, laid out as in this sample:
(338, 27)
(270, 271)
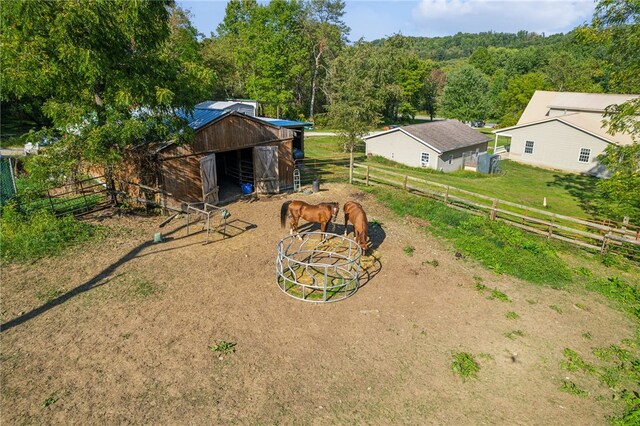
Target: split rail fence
(603, 236)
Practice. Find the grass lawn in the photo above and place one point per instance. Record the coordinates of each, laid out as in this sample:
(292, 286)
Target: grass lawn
(566, 193)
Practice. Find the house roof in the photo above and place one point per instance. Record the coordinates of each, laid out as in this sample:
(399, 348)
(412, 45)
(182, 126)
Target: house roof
(442, 135)
(542, 102)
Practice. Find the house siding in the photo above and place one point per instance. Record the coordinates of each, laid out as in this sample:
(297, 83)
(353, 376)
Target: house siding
(457, 162)
(556, 145)
(401, 148)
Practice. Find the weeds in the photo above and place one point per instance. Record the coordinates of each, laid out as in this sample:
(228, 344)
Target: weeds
(433, 263)
(512, 315)
(513, 334)
(142, 288)
(498, 295)
(223, 347)
(465, 365)
(587, 336)
(574, 362)
(408, 250)
(29, 237)
(556, 308)
(570, 387)
(50, 400)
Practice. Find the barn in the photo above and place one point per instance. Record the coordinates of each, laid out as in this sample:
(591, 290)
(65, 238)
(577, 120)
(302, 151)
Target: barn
(229, 149)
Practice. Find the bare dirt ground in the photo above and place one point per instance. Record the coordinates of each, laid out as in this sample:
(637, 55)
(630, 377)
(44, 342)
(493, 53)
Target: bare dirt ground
(120, 330)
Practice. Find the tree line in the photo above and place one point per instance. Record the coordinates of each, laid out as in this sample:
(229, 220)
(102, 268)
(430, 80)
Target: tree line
(108, 74)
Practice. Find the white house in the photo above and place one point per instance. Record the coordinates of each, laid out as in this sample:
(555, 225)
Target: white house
(446, 145)
(564, 131)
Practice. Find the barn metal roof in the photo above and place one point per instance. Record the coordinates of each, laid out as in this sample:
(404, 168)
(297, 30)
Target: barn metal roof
(284, 123)
(198, 117)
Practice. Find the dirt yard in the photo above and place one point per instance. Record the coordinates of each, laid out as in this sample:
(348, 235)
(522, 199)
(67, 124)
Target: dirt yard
(121, 330)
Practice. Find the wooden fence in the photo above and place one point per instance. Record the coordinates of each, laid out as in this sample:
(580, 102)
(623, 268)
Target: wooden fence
(603, 236)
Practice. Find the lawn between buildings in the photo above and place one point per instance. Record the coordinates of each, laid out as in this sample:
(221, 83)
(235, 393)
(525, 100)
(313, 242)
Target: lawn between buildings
(566, 193)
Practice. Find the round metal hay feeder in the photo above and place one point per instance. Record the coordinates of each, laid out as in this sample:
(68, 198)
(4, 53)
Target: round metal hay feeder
(318, 266)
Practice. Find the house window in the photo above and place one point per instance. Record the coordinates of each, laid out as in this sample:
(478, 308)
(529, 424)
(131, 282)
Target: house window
(528, 147)
(585, 153)
(424, 159)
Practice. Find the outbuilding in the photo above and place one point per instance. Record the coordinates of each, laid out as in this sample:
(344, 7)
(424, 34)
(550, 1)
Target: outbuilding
(230, 151)
(446, 145)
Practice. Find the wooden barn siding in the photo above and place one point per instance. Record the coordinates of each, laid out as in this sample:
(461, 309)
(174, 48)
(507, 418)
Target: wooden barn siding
(180, 176)
(285, 164)
(236, 132)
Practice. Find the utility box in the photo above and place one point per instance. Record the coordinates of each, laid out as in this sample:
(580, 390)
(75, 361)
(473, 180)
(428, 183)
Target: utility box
(488, 163)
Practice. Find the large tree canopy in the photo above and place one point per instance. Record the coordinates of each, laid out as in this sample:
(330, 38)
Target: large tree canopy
(112, 71)
(465, 95)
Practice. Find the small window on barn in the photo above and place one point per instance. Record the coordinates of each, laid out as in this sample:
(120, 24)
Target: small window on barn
(424, 159)
(528, 147)
(450, 158)
(585, 154)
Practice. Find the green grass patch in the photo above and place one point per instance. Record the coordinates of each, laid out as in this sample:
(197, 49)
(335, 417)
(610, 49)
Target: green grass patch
(464, 365)
(498, 295)
(512, 315)
(570, 387)
(513, 334)
(26, 237)
(574, 362)
(496, 245)
(556, 308)
(223, 347)
(408, 250)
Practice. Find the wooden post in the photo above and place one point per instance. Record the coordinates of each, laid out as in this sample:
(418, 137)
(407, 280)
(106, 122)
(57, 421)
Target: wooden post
(550, 231)
(493, 209)
(625, 223)
(446, 196)
(526, 213)
(404, 186)
(367, 175)
(351, 169)
(605, 244)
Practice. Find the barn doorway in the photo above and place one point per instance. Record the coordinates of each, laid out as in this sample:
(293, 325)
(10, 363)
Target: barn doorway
(233, 169)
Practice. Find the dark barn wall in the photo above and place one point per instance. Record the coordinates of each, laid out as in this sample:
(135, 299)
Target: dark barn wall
(236, 132)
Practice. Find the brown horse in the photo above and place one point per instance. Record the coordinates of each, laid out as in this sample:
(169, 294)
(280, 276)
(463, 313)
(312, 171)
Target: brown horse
(322, 213)
(354, 213)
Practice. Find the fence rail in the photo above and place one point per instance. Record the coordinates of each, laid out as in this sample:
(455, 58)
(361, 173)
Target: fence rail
(604, 236)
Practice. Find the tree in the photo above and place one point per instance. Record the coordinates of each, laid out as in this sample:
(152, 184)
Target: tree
(113, 72)
(617, 24)
(353, 102)
(327, 34)
(464, 97)
(621, 191)
(517, 95)
(432, 88)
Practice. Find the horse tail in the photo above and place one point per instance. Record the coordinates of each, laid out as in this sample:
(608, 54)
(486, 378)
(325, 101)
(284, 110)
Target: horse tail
(283, 213)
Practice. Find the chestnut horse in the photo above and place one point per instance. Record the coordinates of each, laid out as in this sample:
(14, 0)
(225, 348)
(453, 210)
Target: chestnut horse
(322, 213)
(354, 213)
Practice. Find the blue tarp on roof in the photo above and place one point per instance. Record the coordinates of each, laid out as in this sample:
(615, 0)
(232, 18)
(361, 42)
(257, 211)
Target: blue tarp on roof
(201, 117)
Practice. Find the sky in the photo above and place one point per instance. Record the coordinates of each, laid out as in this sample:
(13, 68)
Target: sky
(372, 20)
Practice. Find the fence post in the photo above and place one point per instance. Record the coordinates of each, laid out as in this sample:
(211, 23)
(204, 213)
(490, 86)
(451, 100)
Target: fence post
(625, 223)
(493, 209)
(404, 186)
(605, 244)
(351, 169)
(550, 231)
(446, 196)
(367, 175)
(53, 209)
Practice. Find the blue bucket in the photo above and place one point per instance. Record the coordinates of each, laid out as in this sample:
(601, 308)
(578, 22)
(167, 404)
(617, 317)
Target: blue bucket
(247, 188)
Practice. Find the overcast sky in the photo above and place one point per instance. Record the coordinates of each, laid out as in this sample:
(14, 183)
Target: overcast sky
(377, 19)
